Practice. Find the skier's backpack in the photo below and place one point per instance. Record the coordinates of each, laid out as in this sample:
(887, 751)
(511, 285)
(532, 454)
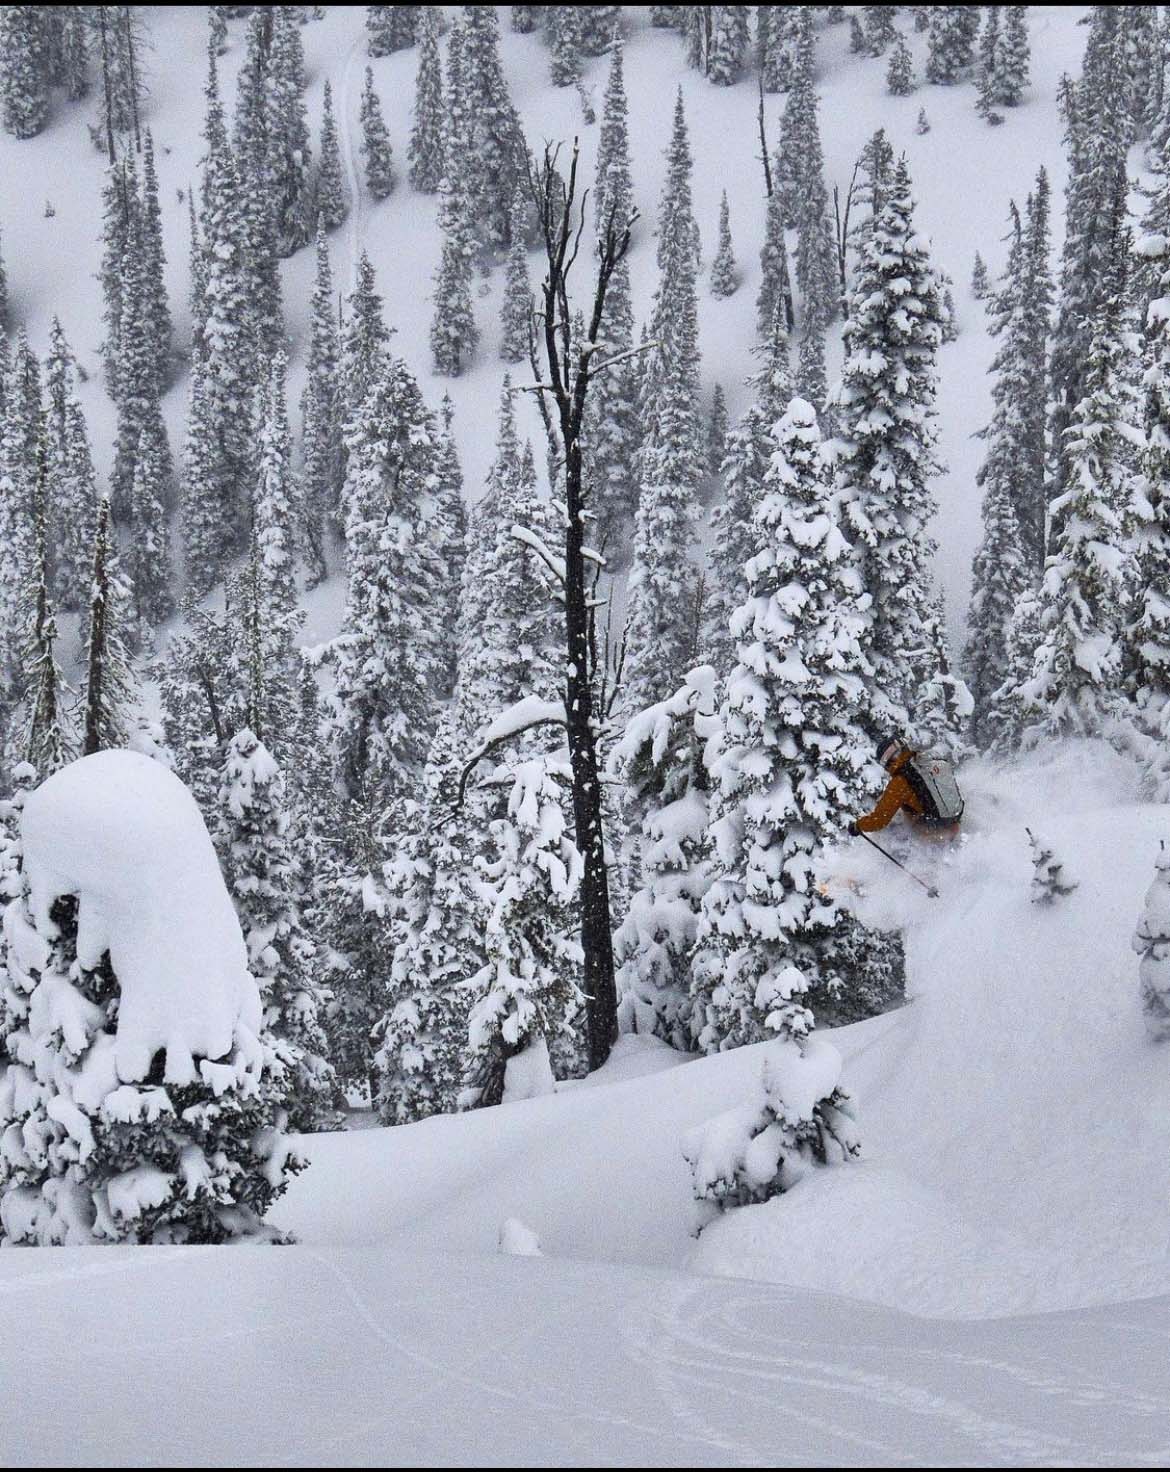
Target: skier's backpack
(933, 779)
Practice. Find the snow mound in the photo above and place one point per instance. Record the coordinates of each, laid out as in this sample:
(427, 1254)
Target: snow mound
(124, 835)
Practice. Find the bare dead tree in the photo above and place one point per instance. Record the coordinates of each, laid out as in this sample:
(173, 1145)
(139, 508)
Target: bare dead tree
(764, 144)
(570, 370)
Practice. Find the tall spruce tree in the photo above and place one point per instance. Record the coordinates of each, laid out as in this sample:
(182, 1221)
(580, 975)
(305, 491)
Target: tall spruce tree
(267, 884)
(885, 455)
(321, 412)
(24, 72)
(438, 945)
(376, 142)
(1076, 682)
(386, 664)
(110, 686)
(1096, 140)
(425, 150)
(332, 205)
(661, 645)
(792, 760)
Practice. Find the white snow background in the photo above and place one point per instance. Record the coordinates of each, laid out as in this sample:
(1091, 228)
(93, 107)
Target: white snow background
(989, 1284)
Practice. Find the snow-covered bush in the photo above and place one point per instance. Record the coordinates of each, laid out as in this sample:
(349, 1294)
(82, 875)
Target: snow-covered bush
(760, 1150)
(1152, 943)
(1048, 878)
(141, 1099)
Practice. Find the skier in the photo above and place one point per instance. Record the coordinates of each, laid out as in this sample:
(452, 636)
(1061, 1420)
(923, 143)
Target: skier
(923, 787)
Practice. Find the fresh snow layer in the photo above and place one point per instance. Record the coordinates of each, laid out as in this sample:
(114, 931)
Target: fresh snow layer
(369, 1357)
(1014, 1120)
(122, 833)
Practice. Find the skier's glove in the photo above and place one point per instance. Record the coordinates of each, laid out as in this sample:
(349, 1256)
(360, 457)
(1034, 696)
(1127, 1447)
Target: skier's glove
(853, 830)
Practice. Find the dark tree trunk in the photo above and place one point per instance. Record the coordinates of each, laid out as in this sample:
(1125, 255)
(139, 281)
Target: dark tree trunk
(570, 369)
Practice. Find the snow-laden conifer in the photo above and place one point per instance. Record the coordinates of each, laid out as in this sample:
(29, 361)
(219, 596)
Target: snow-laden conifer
(1152, 943)
(885, 454)
(1049, 881)
(267, 885)
(332, 205)
(793, 757)
(376, 147)
(425, 149)
(437, 945)
(662, 759)
(525, 997)
(724, 276)
(803, 1117)
(661, 645)
(137, 1105)
(321, 413)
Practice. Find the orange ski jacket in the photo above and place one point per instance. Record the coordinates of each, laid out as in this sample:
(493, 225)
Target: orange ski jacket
(898, 795)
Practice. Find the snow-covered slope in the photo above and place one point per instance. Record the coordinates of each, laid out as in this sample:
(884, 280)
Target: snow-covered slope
(1015, 1122)
(1016, 1134)
(964, 173)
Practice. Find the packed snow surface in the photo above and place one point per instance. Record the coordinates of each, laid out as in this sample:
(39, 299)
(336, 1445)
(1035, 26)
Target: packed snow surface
(122, 833)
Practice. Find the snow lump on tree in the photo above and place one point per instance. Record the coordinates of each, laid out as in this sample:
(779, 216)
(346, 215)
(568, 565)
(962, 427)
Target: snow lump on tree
(141, 1099)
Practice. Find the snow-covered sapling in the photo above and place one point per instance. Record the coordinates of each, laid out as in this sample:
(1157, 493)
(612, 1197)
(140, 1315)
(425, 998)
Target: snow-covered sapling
(923, 123)
(1048, 879)
(980, 283)
(760, 1150)
(1152, 943)
(724, 276)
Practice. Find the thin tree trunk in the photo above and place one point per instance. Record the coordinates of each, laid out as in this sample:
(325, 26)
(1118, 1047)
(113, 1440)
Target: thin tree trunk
(569, 387)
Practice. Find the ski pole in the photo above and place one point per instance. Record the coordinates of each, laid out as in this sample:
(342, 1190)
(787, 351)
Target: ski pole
(931, 891)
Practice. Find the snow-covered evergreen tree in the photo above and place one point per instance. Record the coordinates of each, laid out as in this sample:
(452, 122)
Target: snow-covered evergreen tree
(803, 1118)
(900, 72)
(775, 283)
(321, 412)
(717, 427)
(386, 656)
(438, 945)
(111, 691)
(661, 644)
(724, 276)
(885, 455)
(376, 147)
(953, 32)
(730, 41)
(525, 997)
(516, 313)
(510, 638)
(46, 738)
(425, 149)
(267, 884)
(1076, 684)
(563, 32)
(391, 28)
(1152, 943)
(332, 205)
(662, 758)
(24, 78)
(289, 152)
(1096, 140)
(1014, 55)
(1007, 560)
(1049, 882)
(113, 1130)
(793, 758)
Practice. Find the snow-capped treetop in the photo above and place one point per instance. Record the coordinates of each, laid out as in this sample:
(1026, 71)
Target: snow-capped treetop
(122, 833)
